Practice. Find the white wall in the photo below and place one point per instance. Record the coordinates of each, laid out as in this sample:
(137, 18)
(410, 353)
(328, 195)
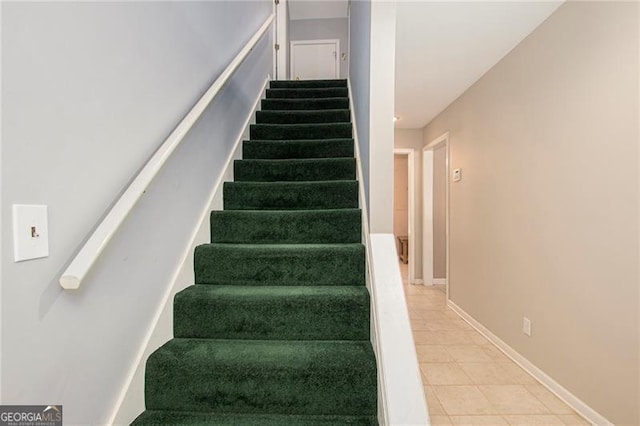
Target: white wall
(323, 29)
(544, 222)
(90, 90)
(382, 78)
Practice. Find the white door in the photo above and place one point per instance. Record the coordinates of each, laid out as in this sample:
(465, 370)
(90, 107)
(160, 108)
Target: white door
(315, 59)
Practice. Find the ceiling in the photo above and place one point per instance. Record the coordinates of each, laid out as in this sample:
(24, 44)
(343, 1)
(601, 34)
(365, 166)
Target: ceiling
(317, 9)
(443, 47)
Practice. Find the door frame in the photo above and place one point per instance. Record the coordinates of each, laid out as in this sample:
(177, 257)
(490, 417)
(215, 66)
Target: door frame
(410, 153)
(427, 210)
(280, 37)
(325, 41)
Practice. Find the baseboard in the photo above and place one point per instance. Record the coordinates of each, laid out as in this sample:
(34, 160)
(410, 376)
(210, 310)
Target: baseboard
(131, 400)
(418, 281)
(554, 387)
(439, 281)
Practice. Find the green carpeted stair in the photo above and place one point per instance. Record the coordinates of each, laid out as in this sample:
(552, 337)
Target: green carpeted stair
(276, 328)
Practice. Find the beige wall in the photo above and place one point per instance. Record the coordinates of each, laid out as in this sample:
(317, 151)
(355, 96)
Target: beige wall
(544, 223)
(412, 139)
(439, 212)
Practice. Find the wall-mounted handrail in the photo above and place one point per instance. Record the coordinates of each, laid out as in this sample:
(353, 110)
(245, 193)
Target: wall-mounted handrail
(89, 253)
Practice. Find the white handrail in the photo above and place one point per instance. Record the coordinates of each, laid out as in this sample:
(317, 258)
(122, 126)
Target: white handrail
(87, 256)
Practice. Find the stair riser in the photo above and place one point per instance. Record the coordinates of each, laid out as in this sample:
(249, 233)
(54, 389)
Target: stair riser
(284, 380)
(304, 104)
(261, 149)
(299, 84)
(266, 313)
(291, 227)
(290, 195)
(303, 170)
(331, 92)
(296, 117)
(279, 265)
(300, 131)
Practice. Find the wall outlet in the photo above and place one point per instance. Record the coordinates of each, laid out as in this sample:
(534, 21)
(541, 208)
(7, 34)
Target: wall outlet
(457, 175)
(526, 326)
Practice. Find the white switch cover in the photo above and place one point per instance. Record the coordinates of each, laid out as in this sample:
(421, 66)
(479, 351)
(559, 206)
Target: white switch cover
(457, 175)
(30, 232)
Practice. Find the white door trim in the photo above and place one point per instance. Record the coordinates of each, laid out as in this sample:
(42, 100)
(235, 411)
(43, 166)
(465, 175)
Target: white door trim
(280, 55)
(410, 153)
(427, 212)
(427, 215)
(326, 41)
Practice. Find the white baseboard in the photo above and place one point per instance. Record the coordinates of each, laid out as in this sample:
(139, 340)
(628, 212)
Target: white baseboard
(417, 281)
(131, 400)
(556, 388)
(439, 281)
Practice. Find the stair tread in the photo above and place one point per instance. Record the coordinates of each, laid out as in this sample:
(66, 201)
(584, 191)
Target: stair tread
(151, 417)
(303, 116)
(292, 195)
(300, 131)
(306, 92)
(300, 148)
(307, 111)
(272, 312)
(304, 103)
(265, 170)
(263, 376)
(301, 125)
(312, 213)
(298, 355)
(296, 161)
(305, 141)
(279, 264)
(273, 292)
(317, 183)
(287, 247)
(307, 83)
(286, 226)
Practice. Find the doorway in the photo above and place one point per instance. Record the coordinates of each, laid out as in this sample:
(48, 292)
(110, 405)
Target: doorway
(403, 214)
(315, 59)
(435, 244)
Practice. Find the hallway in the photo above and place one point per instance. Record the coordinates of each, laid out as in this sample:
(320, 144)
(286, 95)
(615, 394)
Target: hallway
(467, 380)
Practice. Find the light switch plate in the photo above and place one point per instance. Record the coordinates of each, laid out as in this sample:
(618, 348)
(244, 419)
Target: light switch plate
(457, 175)
(30, 232)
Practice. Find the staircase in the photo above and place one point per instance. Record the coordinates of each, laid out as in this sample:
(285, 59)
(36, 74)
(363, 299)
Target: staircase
(276, 329)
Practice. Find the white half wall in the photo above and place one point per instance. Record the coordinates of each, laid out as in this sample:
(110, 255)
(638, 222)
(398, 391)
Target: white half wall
(405, 403)
(382, 78)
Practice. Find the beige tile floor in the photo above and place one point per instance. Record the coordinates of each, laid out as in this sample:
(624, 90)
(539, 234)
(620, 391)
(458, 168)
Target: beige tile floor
(467, 380)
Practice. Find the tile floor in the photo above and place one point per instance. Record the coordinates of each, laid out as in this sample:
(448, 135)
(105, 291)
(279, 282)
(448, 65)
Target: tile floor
(467, 380)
